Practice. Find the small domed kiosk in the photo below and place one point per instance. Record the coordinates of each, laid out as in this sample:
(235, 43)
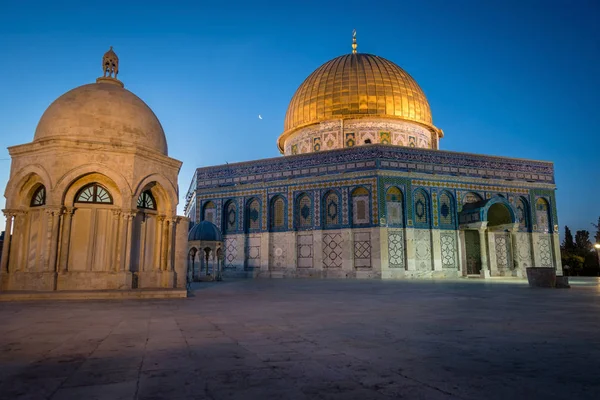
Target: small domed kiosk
(205, 252)
(91, 202)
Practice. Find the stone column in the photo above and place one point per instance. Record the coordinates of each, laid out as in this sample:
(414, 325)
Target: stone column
(485, 272)
(128, 219)
(160, 220)
(53, 243)
(164, 229)
(169, 248)
(7, 239)
(66, 238)
(514, 252)
(116, 240)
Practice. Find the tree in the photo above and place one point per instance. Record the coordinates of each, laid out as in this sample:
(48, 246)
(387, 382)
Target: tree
(597, 235)
(567, 244)
(582, 243)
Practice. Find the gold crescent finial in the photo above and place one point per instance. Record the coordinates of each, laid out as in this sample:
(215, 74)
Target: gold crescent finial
(354, 45)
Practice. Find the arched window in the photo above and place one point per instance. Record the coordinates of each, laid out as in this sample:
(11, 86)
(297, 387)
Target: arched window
(393, 203)
(277, 213)
(523, 214)
(93, 193)
(360, 206)
(471, 197)
(304, 211)
(39, 197)
(421, 209)
(331, 209)
(253, 215)
(447, 218)
(542, 213)
(230, 216)
(209, 212)
(146, 201)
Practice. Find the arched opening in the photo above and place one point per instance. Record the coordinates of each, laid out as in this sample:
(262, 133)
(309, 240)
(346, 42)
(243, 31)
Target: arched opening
(277, 214)
(542, 213)
(230, 217)
(394, 202)
(93, 227)
(253, 215)
(368, 141)
(304, 212)
(209, 212)
(447, 210)
(38, 198)
(93, 193)
(331, 209)
(498, 214)
(421, 209)
(360, 206)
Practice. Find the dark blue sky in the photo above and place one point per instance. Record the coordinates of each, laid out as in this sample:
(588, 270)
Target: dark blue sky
(515, 78)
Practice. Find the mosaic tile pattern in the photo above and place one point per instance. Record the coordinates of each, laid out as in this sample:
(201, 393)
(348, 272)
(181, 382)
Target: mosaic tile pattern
(230, 252)
(448, 247)
(396, 248)
(502, 247)
(544, 247)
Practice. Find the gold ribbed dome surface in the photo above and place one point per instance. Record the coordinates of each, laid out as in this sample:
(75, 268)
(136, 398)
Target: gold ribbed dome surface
(357, 85)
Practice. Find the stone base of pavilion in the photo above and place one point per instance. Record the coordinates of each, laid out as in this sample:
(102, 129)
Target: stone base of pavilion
(18, 295)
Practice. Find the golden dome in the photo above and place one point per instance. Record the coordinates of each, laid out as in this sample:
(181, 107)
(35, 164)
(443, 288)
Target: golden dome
(102, 112)
(355, 86)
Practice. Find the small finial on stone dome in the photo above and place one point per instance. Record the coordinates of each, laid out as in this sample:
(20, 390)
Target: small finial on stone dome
(354, 45)
(110, 68)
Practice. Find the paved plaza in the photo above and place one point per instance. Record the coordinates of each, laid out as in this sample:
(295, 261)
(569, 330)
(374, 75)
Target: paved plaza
(310, 339)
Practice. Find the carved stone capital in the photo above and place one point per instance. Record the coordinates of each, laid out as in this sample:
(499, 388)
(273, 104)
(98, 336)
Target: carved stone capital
(52, 211)
(129, 214)
(161, 218)
(9, 213)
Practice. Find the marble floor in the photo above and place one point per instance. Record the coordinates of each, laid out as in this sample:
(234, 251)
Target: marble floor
(310, 339)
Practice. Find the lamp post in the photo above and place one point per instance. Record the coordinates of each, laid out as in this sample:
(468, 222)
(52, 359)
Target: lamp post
(597, 246)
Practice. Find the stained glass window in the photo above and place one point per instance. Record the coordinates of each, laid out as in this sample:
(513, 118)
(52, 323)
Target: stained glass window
(393, 200)
(331, 207)
(523, 214)
(278, 213)
(446, 210)
(230, 217)
(146, 200)
(360, 206)
(39, 197)
(304, 211)
(93, 193)
(542, 215)
(210, 212)
(253, 214)
(421, 207)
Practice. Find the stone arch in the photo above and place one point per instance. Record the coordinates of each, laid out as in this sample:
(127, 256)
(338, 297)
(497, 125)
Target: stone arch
(304, 217)
(277, 205)
(523, 213)
(421, 208)
(360, 205)
(84, 174)
(162, 189)
(498, 211)
(332, 211)
(68, 198)
(447, 218)
(471, 197)
(230, 216)
(21, 186)
(253, 214)
(394, 203)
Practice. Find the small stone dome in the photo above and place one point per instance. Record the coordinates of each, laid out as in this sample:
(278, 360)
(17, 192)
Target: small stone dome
(205, 231)
(102, 112)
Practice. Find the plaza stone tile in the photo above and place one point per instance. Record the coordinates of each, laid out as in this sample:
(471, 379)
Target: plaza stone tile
(309, 339)
(113, 391)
